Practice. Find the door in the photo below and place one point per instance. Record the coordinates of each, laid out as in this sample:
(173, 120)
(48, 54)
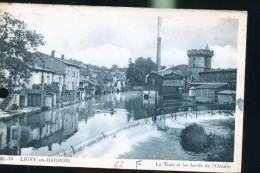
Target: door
(34, 100)
(22, 101)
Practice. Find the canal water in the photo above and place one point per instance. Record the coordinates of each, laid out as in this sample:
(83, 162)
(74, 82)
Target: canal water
(52, 131)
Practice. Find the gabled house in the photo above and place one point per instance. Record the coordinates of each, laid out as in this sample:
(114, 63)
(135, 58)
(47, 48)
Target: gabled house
(207, 93)
(173, 85)
(150, 82)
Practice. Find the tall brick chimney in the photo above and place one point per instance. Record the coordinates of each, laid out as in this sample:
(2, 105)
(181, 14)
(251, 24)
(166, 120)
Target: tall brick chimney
(53, 53)
(62, 56)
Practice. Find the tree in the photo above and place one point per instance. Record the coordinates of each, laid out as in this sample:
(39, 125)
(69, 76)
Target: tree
(150, 65)
(143, 67)
(136, 72)
(114, 67)
(163, 67)
(130, 72)
(17, 43)
(140, 70)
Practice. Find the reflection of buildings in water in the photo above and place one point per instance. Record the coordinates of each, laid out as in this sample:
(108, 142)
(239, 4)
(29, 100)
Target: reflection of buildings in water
(51, 127)
(10, 134)
(69, 125)
(83, 111)
(149, 106)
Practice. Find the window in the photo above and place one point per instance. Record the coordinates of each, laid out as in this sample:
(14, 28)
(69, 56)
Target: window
(77, 74)
(72, 85)
(60, 80)
(68, 84)
(73, 74)
(48, 80)
(14, 134)
(68, 73)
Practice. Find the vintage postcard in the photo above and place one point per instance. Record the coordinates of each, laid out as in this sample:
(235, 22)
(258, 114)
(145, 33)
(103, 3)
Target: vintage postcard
(126, 88)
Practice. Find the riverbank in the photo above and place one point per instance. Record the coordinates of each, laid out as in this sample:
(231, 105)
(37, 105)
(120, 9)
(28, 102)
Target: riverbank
(6, 116)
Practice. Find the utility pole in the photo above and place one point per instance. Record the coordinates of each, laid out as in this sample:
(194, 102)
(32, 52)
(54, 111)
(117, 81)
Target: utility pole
(158, 66)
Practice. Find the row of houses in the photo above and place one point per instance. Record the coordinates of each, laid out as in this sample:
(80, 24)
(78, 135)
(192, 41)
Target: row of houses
(59, 81)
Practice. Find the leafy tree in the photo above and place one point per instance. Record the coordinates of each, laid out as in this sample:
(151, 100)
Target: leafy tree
(136, 72)
(163, 67)
(150, 65)
(114, 67)
(140, 70)
(143, 67)
(103, 68)
(130, 72)
(17, 43)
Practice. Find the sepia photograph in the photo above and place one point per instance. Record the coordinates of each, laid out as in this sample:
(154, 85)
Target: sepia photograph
(122, 84)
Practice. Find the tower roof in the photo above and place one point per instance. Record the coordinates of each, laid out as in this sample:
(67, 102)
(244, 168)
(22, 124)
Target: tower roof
(207, 47)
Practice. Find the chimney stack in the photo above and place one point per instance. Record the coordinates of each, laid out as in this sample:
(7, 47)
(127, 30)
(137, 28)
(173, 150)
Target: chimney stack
(62, 56)
(53, 53)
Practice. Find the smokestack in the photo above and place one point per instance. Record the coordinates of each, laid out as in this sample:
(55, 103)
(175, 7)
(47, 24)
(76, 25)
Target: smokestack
(159, 46)
(53, 53)
(62, 56)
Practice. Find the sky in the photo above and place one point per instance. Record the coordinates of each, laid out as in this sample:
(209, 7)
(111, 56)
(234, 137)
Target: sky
(106, 37)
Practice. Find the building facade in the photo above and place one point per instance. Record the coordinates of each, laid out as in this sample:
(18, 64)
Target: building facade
(226, 96)
(220, 75)
(207, 93)
(172, 86)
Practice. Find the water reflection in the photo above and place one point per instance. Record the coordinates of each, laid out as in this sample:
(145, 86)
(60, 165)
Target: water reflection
(51, 131)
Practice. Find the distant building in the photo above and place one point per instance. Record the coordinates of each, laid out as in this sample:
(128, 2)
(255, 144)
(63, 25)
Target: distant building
(172, 86)
(220, 75)
(207, 93)
(106, 82)
(226, 96)
(199, 61)
(120, 75)
(83, 81)
(150, 84)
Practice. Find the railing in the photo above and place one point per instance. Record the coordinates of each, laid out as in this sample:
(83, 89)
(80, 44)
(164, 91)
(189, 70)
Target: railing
(195, 107)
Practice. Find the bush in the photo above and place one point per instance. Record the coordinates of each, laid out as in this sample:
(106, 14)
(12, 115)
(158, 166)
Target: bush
(223, 149)
(194, 138)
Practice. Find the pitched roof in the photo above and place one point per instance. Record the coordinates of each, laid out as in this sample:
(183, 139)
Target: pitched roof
(219, 70)
(227, 92)
(50, 63)
(211, 86)
(173, 74)
(172, 83)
